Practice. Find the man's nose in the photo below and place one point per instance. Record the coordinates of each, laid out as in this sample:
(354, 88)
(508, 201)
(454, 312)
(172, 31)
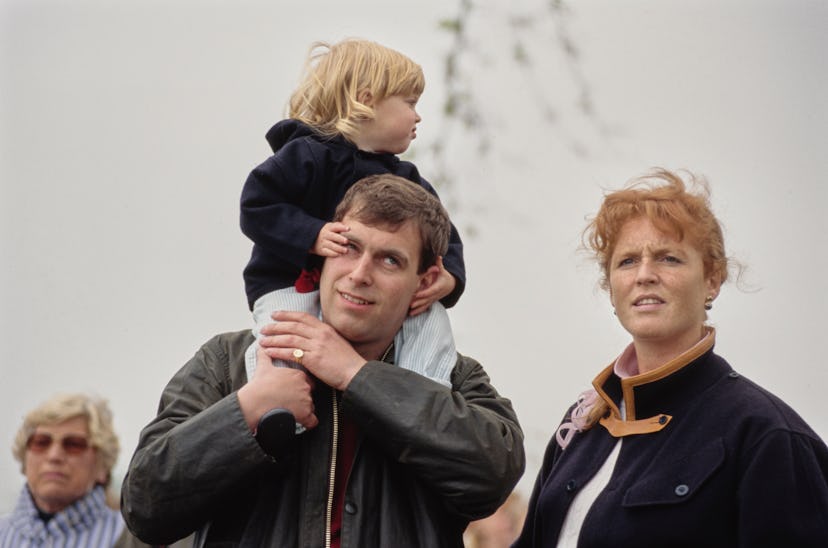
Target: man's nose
(361, 272)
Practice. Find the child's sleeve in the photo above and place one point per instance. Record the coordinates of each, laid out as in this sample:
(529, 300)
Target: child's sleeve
(274, 210)
(454, 263)
(453, 260)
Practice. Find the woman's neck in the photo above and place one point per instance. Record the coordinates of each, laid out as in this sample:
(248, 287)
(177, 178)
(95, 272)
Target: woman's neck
(653, 354)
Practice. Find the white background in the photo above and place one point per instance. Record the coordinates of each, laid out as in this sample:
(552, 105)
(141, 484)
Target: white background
(128, 127)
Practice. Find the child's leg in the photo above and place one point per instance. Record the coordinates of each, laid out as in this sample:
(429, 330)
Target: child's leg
(267, 304)
(282, 299)
(425, 345)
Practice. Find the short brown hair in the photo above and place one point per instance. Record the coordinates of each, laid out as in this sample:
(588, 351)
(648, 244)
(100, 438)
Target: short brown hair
(389, 200)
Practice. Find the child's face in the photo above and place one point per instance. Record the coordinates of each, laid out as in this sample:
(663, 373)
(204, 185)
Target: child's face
(393, 127)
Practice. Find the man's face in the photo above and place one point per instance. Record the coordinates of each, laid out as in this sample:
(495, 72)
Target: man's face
(365, 294)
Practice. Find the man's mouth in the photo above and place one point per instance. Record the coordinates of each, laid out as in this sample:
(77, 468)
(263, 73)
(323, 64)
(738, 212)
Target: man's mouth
(353, 299)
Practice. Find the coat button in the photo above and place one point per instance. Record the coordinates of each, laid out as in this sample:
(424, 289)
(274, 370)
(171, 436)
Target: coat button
(350, 507)
(571, 485)
(681, 490)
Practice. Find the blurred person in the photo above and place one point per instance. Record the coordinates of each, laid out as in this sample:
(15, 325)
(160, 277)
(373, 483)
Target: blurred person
(501, 528)
(390, 457)
(67, 448)
(673, 447)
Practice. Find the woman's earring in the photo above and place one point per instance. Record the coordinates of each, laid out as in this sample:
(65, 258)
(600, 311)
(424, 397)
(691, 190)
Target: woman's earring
(708, 303)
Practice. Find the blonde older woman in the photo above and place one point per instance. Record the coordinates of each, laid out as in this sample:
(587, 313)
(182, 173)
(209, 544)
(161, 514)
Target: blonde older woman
(673, 447)
(67, 448)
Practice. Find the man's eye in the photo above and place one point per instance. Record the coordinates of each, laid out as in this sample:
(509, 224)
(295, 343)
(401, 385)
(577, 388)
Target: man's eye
(391, 261)
(671, 259)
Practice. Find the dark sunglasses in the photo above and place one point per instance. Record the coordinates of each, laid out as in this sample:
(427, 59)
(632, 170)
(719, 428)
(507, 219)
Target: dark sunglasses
(72, 445)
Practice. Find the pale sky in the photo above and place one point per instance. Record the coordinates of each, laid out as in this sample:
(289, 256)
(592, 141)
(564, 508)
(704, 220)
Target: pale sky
(128, 127)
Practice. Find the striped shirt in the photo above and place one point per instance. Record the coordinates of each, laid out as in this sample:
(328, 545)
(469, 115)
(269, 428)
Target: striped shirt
(86, 523)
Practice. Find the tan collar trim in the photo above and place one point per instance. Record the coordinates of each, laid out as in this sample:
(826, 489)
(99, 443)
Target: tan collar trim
(619, 427)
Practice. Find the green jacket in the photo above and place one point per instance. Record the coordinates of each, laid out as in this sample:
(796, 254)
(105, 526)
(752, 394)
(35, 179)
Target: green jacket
(429, 460)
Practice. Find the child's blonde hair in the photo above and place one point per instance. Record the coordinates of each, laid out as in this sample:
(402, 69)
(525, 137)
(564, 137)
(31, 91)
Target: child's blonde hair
(335, 75)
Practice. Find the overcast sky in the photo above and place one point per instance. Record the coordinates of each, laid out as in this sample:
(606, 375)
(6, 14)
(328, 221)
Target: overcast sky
(128, 127)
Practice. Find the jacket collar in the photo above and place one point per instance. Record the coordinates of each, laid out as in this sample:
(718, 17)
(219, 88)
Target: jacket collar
(654, 394)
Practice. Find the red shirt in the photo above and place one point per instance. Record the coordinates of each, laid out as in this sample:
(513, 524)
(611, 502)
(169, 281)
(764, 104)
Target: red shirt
(345, 450)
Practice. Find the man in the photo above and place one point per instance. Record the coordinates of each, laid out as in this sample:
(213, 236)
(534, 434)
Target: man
(390, 457)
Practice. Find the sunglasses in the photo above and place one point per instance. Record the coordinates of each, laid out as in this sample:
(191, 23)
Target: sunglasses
(72, 445)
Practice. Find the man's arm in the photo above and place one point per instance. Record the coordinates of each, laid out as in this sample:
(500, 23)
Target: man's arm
(197, 449)
(465, 442)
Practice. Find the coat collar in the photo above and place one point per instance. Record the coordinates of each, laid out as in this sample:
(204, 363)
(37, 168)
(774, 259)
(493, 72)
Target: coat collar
(651, 395)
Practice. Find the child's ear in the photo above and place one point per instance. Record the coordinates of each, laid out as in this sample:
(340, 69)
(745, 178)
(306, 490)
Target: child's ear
(365, 97)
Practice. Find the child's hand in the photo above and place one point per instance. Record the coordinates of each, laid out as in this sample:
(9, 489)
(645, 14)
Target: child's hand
(440, 288)
(330, 242)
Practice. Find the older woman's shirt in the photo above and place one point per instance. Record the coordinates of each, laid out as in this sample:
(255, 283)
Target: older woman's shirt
(86, 523)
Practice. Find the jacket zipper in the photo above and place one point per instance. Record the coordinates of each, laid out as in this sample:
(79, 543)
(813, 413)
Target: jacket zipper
(332, 475)
(334, 444)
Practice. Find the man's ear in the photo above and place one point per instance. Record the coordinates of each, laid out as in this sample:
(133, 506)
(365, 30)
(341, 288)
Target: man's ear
(428, 277)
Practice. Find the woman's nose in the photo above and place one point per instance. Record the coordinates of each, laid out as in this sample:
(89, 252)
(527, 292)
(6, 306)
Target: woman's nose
(646, 273)
(55, 451)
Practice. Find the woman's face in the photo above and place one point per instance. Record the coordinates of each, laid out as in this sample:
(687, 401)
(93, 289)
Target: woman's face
(63, 471)
(658, 287)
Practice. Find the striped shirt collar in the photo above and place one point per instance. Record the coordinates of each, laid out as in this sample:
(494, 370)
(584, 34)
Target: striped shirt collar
(87, 522)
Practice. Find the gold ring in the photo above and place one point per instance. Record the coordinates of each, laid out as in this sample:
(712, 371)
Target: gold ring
(298, 354)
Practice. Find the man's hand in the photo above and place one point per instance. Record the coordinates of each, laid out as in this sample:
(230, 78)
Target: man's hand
(442, 286)
(273, 387)
(330, 242)
(327, 355)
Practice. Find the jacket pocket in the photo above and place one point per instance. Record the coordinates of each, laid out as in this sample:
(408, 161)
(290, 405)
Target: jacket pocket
(676, 481)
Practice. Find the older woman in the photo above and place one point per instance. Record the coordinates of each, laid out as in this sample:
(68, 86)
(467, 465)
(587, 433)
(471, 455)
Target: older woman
(673, 447)
(67, 448)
